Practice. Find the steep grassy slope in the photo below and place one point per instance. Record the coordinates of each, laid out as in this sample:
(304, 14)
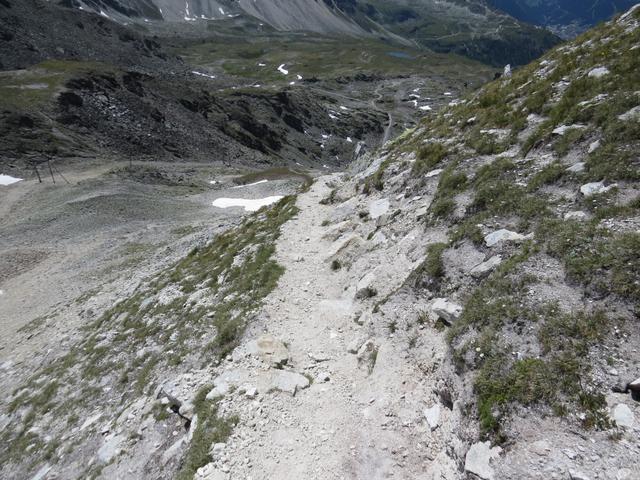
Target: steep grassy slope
(551, 155)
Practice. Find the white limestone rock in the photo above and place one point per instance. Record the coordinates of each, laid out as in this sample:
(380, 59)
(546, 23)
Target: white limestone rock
(486, 267)
(377, 208)
(478, 460)
(595, 188)
(623, 416)
(448, 311)
(598, 72)
(504, 235)
(432, 415)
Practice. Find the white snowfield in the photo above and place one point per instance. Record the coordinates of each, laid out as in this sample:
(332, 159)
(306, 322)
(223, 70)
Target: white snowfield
(251, 184)
(8, 179)
(282, 70)
(249, 204)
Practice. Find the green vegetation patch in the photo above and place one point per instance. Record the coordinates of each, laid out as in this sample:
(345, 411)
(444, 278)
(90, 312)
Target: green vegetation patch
(210, 429)
(556, 378)
(232, 274)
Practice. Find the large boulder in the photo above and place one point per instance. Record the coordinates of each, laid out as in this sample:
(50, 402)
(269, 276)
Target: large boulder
(365, 287)
(270, 350)
(446, 310)
(478, 460)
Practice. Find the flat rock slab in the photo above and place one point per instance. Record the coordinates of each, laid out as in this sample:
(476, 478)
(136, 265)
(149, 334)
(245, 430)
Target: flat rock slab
(432, 416)
(377, 208)
(485, 267)
(270, 350)
(478, 459)
(448, 311)
(504, 235)
(595, 188)
(283, 381)
(623, 415)
(110, 448)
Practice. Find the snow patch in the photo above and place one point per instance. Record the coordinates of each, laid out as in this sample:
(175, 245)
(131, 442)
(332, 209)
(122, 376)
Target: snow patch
(252, 184)
(8, 179)
(282, 70)
(201, 74)
(249, 204)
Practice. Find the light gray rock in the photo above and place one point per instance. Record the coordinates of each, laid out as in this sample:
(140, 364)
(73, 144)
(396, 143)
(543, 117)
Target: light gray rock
(231, 378)
(172, 451)
(251, 392)
(486, 267)
(365, 288)
(576, 215)
(593, 146)
(507, 71)
(343, 211)
(379, 238)
(218, 391)
(478, 460)
(598, 72)
(632, 115)
(42, 473)
(336, 231)
(368, 354)
(271, 350)
(562, 129)
(446, 310)
(432, 415)
(354, 346)
(541, 448)
(434, 173)
(624, 474)
(192, 428)
(378, 208)
(595, 188)
(576, 167)
(110, 448)
(210, 472)
(421, 212)
(90, 421)
(576, 475)
(288, 382)
(504, 235)
(346, 248)
(383, 220)
(623, 416)
(217, 450)
(187, 410)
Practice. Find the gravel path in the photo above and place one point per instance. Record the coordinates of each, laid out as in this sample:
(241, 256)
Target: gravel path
(355, 424)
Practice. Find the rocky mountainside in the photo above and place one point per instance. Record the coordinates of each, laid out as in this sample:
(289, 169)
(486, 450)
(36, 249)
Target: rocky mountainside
(78, 84)
(467, 27)
(566, 18)
(460, 304)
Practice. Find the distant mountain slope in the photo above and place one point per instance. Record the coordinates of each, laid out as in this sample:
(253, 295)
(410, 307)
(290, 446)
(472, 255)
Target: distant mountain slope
(563, 16)
(467, 27)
